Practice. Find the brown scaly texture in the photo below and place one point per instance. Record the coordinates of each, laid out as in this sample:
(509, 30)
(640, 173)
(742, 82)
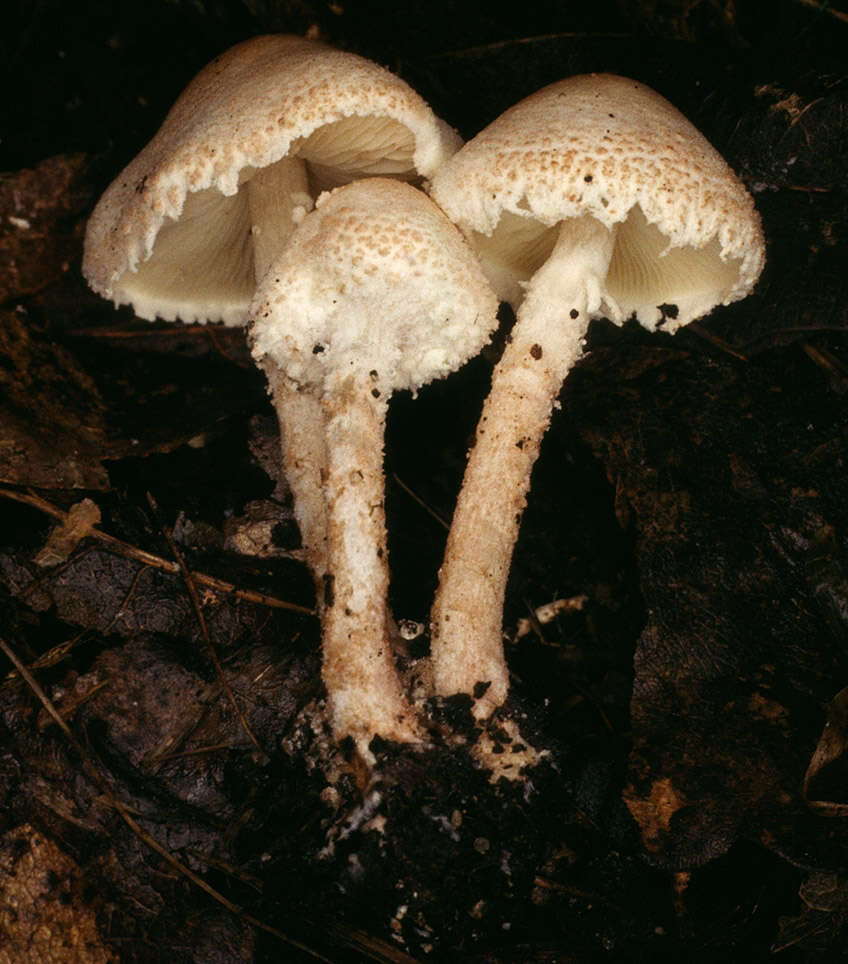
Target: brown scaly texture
(377, 274)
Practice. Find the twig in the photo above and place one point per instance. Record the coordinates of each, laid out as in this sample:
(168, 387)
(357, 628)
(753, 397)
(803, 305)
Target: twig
(152, 332)
(149, 559)
(204, 628)
(826, 359)
(808, 188)
(228, 869)
(125, 601)
(124, 814)
(419, 501)
(825, 8)
(373, 948)
(69, 708)
(53, 656)
(698, 329)
(197, 751)
(212, 332)
(533, 620)
(774, 333)
(829, 362)
(524, 41)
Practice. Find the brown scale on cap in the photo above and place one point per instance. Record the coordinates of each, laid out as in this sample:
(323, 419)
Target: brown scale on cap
(593, 197)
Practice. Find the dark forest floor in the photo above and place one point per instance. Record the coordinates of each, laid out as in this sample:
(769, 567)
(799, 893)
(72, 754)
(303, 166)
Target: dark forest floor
(688, 510)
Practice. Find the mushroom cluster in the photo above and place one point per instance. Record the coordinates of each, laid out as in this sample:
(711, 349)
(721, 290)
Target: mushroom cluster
(284, 190)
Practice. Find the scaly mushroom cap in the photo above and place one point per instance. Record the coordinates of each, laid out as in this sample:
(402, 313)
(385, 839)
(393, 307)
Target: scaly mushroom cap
(378, 281)
(688, 236)
(171, 235)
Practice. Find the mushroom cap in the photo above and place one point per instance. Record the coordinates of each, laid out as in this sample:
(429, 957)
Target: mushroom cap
(262, 100)
(376, 283)
(688, 235)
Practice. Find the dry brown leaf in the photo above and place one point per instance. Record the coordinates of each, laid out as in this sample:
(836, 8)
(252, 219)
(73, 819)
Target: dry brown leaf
(66, 537)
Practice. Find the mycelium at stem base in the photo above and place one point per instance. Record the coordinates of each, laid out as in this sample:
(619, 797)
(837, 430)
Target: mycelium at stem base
(546, 341)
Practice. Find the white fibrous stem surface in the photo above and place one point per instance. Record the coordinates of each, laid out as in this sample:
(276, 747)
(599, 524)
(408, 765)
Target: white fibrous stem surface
(363, 686)
(546, 341)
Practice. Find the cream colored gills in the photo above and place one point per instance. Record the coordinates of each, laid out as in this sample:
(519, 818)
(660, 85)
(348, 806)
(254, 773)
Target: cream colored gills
(357, 147)
(281, 194)
(254, 106)
(593, 197)
(205, 256)
(201, 267)
(641, 266)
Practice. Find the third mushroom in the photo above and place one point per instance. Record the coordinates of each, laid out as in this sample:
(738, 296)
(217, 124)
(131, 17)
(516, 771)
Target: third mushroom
(376, 291)
(593, 197)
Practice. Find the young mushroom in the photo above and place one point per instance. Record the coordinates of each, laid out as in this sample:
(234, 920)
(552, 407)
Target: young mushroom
(376, 291)
(191, 225)
(593, 197)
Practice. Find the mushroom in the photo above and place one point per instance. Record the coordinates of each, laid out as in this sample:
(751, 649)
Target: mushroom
(191, 225)
(592, 197)
(376, 291)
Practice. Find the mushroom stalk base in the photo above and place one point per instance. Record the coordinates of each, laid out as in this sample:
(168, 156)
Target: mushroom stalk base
(547, 339)
(363, 687)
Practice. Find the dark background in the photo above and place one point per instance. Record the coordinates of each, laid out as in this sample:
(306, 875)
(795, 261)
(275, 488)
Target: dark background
(692, 489)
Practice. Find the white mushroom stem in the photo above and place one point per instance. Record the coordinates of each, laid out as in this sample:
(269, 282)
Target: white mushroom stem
(278, 199)
(547, 339)
(362, 683)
